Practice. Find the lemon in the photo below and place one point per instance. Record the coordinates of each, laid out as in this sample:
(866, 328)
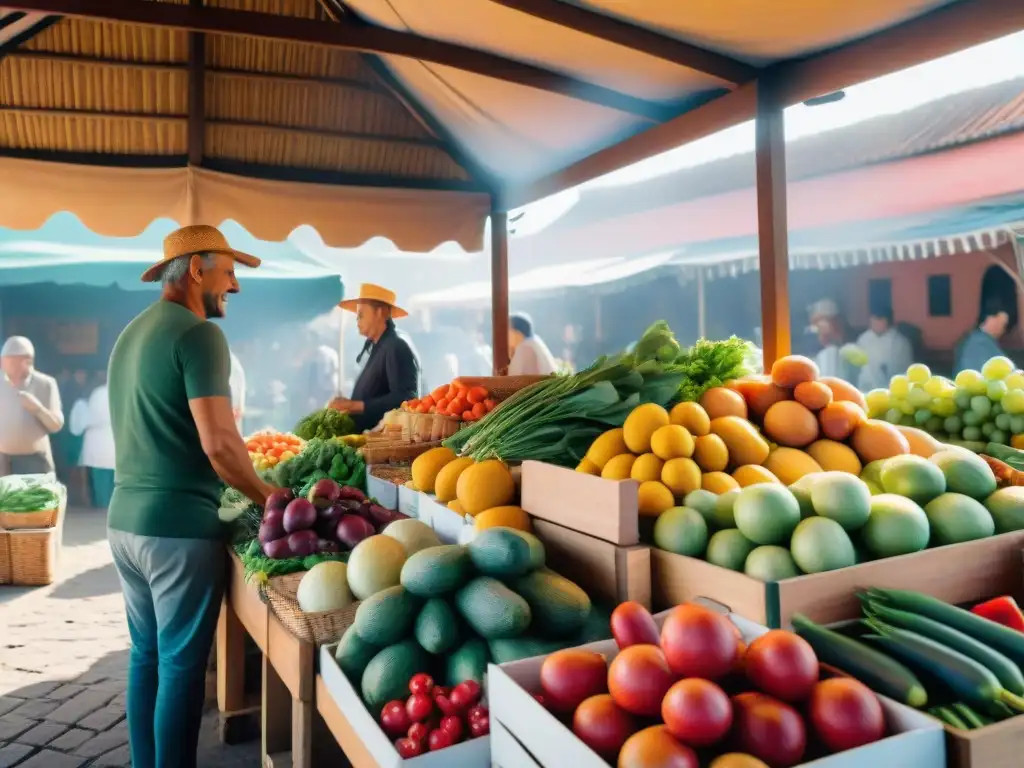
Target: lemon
(588, 467)
(618, 467)
(610, 444)
(997, 368)
(642, 422)
(693, 417)
(899, 386)
(646, 467)
(681, 476)
(672, 442)
(654, 498)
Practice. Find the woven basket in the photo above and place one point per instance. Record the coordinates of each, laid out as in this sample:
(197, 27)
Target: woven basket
(46, 518)
(28, 558)
(501, 387)
(384, 452)
(317, 628)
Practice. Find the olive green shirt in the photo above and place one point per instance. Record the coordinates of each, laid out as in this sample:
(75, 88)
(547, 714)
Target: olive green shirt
(164, 485)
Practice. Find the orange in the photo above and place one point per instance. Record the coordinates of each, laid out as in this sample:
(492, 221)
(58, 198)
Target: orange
(655, 747)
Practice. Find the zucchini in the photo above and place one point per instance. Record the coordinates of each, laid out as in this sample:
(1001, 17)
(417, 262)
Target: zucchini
(1008, 673)
(1008, 642)
(969, 716)
(1006, 454)
(949, 717)
(965, 677)
(873, 668)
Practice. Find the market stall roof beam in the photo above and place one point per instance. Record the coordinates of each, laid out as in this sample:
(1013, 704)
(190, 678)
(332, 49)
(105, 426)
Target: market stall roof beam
(350, 34)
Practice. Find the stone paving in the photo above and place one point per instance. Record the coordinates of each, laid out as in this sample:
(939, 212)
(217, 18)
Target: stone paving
(63, 661)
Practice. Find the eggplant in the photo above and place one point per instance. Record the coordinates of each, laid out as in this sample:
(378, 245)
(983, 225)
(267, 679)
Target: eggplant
(279, 499)
(299, 515)
(277, 549)
(351, 493)
(271, 530)
(303, 543)
(324, 492)
(381, 516)
(352, 529)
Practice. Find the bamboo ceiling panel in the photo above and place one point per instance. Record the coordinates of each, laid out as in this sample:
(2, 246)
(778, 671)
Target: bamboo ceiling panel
(107, 40)
(52, 132)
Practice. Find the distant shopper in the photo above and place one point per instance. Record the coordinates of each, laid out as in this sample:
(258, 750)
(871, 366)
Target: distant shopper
(90, 418)
(530, 355)
(236, 381)
(30, 411)
(830, 328)
(888, 351)
(982, 343)
(176, 446)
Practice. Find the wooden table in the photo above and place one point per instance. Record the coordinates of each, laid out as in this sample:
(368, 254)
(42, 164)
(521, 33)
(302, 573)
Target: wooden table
(288, 672)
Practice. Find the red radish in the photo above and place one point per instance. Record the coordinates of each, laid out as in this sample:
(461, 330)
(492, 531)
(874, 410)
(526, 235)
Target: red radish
(452, 725)
(444, 703)
(782, 665)
(277, 549)
(570, 676)
(439, 739)
(350, 493)
(697, 712)
(277, 501)
(407, 748)
(768, 729)
(478, 711)
(299, 515)
(324, 492)
(603, 725)
(639, 678)
(846, 714)
(394, 719)
(421, 683)
(480, 727)
(632, 624)
(699, 642)
(418, 732)
(270, 531)
(419, 707)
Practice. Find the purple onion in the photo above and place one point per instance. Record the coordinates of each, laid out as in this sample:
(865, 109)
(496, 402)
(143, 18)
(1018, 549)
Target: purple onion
(299, 515)
(347, 492)
(331, 515)
(303, 543)
(270, 531)
(277, 549)
(326, 546)
(279, 499)
(352, 529)
(324, 492)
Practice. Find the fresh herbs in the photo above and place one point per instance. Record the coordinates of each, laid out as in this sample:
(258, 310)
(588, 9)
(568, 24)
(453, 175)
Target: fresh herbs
(710, 364)
(325, 423)
(259, 566)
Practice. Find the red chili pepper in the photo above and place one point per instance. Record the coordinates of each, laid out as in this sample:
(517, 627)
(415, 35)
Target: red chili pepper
(1002, 610)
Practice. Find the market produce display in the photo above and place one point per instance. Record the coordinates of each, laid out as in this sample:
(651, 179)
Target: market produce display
(268, 449)
(320, 459)
(557, 419)
(694, 688)
(435, 717)
(456, 400)
(976, 408)
(325, 424)
(447, 610)
(960, 666)
(24, 494)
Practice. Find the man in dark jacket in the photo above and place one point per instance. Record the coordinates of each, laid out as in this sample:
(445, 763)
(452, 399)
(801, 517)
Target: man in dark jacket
(391, 373)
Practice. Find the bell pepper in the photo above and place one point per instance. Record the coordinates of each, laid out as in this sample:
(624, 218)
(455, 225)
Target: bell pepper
(1002, 610)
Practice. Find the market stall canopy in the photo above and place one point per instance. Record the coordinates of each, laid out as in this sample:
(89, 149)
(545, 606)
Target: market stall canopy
(396, 117)
(66, 252)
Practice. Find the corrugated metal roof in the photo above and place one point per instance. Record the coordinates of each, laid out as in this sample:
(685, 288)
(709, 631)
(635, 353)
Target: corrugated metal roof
(962, 118)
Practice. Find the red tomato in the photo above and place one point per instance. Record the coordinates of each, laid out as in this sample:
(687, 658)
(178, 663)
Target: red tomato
(782, 665)
(465, 694)
(421, 683)
(697, 712)
(603, 725)
(632, 624)
(441, 690)
(418, 732)
(846, 714)
(394, 719)
(418, 707)
(480, 727)
(444, 703)
(476, 712)
(655, 747)
(639, 678)
(439, 739)
(452, 725)
(570, 676)
(699, 642)
(769, 729)
(408, 748)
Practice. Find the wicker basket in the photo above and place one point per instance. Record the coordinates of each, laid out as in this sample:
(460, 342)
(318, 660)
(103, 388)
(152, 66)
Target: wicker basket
(501, 387)
(317, 628)
(28, 558)
(396, 452)
(46, 518)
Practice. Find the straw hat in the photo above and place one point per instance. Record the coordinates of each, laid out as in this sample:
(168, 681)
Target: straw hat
(192, 240)
(371, 292)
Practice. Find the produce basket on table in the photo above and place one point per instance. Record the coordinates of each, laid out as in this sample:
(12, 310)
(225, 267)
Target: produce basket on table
(281, 594)
(29, 550)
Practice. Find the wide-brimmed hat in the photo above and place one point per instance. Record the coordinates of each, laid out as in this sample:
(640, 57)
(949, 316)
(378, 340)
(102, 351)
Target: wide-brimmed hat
(371, 292)
(192, 240)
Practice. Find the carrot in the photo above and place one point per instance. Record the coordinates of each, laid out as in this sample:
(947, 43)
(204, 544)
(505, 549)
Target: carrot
(413, 404)
(479, 410)
(458, 385)
(489, 404)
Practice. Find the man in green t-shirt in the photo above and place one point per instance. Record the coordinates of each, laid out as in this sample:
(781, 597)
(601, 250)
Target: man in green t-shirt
(176, 443)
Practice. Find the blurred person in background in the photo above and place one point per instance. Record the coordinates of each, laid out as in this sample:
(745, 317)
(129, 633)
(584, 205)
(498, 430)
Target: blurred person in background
(67, 448)
(391, 374)
(829, 326)
(888, 352)
(530, 355)
(30, 411)
(982, 342)
(90, 419)
(236, 381)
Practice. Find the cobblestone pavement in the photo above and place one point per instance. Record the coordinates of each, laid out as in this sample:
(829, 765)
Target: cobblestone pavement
(63, 661)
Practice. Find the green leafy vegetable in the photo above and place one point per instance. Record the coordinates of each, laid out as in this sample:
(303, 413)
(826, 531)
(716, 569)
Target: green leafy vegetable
(17, 495)
(710, 364)
(325, 423)
(319, 459)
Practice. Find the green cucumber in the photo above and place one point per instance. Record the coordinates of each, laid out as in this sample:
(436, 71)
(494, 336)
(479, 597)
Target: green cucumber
(967, 678)
(1008, 642)
(949, 717)
(873, 668)
(968, 715)
(1006, 671)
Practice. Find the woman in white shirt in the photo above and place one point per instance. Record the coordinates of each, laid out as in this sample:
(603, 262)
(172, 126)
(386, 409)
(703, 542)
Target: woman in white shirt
(530, 355)
(90, 418)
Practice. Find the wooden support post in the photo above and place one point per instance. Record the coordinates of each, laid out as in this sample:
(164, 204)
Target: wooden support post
(277, 714)
(230, 661)
(196, 93)
(499, 290)
(772, 231)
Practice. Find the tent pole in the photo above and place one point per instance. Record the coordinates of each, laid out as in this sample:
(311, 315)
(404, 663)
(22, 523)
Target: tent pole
(772, 233)
(499, 290)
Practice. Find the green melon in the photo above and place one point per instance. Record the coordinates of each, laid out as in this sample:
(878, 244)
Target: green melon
(842, 497)
(965, 473)
(1007, 508)
(956, 518)
(914, 477)
(897, 526)
(820, 544)
(681, 530)
(729, 549)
